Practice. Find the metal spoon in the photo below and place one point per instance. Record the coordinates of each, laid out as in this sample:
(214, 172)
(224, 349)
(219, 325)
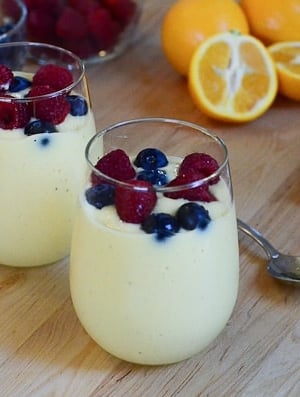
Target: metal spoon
(281, 266)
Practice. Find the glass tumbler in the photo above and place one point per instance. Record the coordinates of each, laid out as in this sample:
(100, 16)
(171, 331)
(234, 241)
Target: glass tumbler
(154, 264)
(45, 123)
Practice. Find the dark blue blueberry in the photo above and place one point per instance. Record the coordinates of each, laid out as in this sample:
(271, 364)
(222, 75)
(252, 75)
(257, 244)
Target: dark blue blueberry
(163, 225)
(192, 215)
(19, 83)
(156, 177)
(100, 195)
(150, 159)
(39, 127)
(79, 106)
(6, 28)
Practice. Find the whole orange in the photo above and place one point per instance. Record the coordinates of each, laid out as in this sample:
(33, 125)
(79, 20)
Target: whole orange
(188, 22)
(273, 20)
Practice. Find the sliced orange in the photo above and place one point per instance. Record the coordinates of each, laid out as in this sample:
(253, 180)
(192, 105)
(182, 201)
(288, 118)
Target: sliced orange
(286, 56)
(232, 77)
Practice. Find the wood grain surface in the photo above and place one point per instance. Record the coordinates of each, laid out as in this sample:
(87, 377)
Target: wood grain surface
(44, 351)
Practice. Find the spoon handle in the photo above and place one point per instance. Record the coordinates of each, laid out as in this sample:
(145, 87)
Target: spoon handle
(255, 235)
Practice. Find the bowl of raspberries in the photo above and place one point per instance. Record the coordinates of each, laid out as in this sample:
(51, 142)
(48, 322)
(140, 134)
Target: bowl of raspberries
(95, 30)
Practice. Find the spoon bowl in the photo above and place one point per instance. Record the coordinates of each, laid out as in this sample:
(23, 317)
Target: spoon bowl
(281, 266)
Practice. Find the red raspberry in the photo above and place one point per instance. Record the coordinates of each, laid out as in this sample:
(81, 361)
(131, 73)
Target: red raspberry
(13, 114)
(134, 205)
(103, 28)
(201, 163)
(122, 10)
(6, 77)
(41, 26)
(84, 47)
(200, 193)
(54, 76)
(84, 6)
(71, 24)
(115, 164)
(54, 109)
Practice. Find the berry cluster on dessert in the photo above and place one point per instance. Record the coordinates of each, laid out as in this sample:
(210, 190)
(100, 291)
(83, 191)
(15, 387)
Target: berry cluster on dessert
(84, 27)
(135, 200)
(42, 112)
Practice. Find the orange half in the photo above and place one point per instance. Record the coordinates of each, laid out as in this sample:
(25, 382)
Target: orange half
(286, 56)
(232, 77)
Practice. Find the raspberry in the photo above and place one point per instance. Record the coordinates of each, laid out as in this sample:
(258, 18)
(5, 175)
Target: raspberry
(13, 115)
(122, 10)
(41, 26)
(71, 24)
(6, 77)
(84, 47)
(84, 6)
(134, 205)
(53, 110)
(103, 28)
(201, 163)
(200, 193)
(54, 76)
(115, 164)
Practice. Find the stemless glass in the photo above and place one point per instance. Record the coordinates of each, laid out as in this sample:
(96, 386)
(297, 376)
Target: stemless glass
(156, 297)
(41, 153)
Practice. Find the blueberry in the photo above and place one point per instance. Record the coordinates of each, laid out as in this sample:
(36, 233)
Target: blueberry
(39, 127)
(100, 195)
(79, 106)
(6, 28)
(192, 215)
(150, 159)
(156, 177)
(162, 224)
(19, 83)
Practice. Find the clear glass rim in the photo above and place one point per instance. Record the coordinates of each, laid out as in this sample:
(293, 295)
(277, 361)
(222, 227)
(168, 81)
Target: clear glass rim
(162, 189)
(21, 22)
(52, 47)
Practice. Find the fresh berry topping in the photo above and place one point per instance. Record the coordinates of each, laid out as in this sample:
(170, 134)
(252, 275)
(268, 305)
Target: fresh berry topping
(54, 76)
(201, 163)
(156, 177)
(53, 110)
(163, 225)
(199, 193)
(39, 127)
(19, 83)
(150, 159)
(192, 215)
(136, 202)
(100, 195)
(13, 114)
(115, 164)
(6, 77)
(79, 106)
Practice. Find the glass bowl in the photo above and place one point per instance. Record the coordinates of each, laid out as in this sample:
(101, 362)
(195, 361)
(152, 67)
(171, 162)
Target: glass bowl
(95, 30)
(13, 14)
